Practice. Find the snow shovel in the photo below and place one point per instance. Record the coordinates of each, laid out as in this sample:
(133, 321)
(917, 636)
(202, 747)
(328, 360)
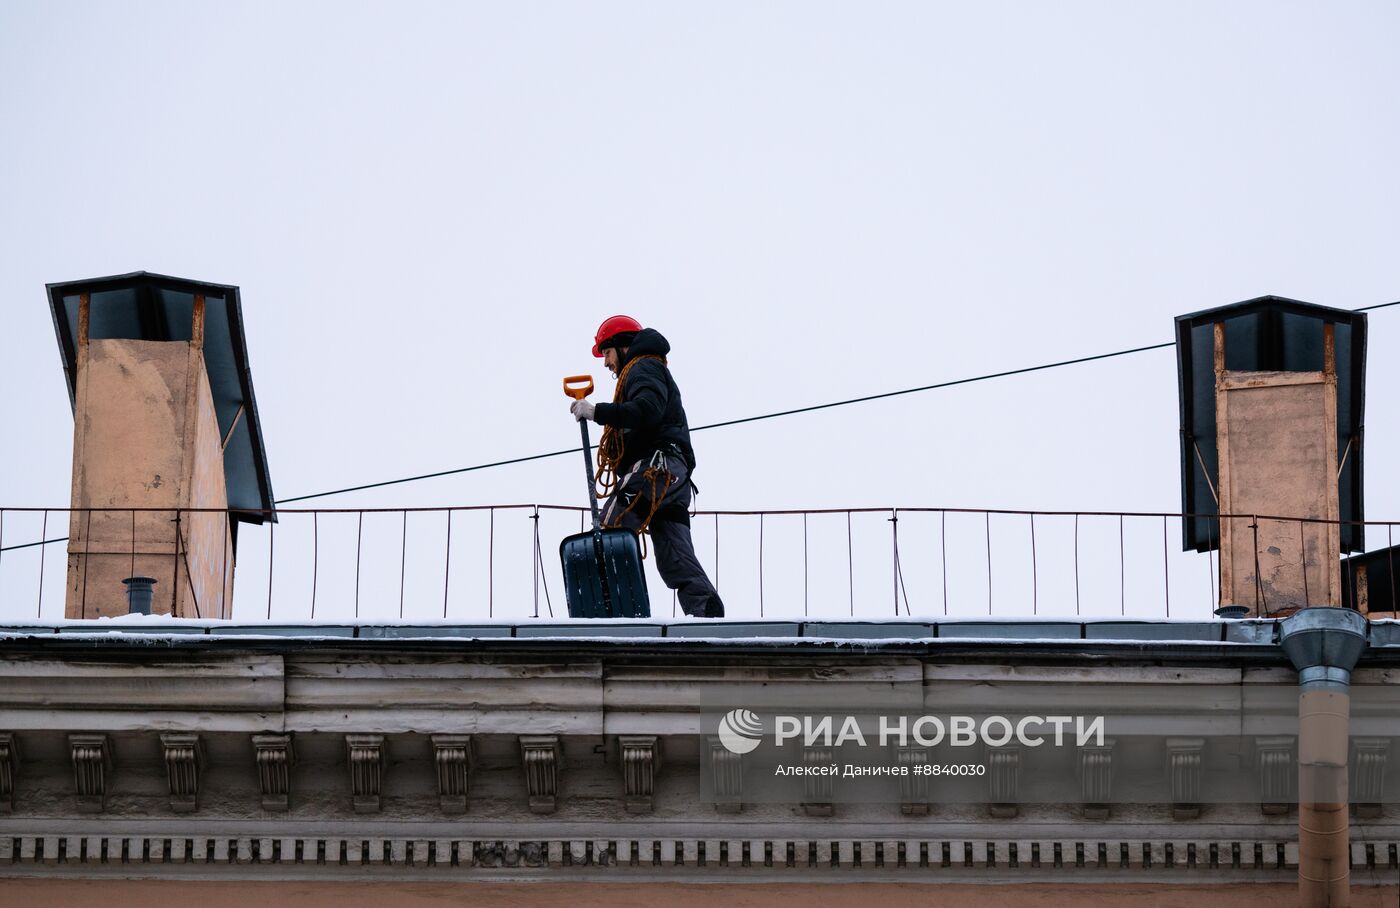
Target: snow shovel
(603, 575)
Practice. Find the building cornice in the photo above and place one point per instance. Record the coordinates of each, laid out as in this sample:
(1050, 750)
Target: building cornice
(298, 757)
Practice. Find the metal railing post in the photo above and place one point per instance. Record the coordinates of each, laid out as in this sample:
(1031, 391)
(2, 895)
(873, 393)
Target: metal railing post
(447, 569)
(804, 565)
(43, 534)
(1122, 572)
(1076, 565)
(225, 593)
(1035, 574)
(175, 577)
(1259, 601)
(403, 561)
(1390, 557)
(943, 541)
(87, 549)
(315, 557)
(271, 535)
(534, 563)
(894, 548)
(716, 553)
(760, 565)
(359, 535)
(1166, 569)
(850, 565)
(987, 519)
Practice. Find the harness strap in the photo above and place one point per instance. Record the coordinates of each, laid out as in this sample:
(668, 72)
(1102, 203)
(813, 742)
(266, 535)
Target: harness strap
(653, 473)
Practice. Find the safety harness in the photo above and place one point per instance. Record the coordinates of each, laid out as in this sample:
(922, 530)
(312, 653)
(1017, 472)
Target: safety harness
(610, 450)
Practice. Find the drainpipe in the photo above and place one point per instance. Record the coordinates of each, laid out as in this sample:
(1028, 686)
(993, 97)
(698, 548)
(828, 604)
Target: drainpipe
(1323, 644)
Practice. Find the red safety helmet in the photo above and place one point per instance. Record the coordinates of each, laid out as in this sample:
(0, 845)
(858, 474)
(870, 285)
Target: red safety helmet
(612, 327)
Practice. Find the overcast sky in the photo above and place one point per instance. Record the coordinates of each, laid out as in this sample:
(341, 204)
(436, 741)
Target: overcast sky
(430, 206)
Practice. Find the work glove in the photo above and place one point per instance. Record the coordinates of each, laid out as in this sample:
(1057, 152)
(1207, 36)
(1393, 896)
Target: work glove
(582, 409)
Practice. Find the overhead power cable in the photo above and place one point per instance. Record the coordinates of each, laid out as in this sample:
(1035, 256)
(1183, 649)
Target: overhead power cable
(775, 415)
(733, 422)
(745, 419)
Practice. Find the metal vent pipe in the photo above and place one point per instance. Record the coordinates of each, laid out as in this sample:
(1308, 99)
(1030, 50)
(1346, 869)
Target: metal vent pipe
(139, 592)
(1323, 644)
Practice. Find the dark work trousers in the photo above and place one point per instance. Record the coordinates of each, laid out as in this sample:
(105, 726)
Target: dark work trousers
(670, 532)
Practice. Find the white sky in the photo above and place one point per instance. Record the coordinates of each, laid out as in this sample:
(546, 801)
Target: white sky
(429, 207)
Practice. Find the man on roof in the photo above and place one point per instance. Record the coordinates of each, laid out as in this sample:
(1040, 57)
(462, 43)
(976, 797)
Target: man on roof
(645, 459)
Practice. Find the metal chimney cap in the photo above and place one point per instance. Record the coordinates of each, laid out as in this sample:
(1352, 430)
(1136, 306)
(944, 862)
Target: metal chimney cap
(157, 307)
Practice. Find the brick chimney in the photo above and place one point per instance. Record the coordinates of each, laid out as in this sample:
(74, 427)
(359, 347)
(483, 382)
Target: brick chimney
(1271, 425)
(166, 441)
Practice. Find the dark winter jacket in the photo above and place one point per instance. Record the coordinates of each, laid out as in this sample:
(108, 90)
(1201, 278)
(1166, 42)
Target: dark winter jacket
(649, 414)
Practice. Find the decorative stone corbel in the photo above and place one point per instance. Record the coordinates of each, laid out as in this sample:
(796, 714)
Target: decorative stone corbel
(817, 789)
(641, 760)
(9, 768)
(1095, 767)
(1368, 756)
(1278, 773)
(1184, 776)
(365, 755)
(453, 756)
(92, 761)
(726, 776)
(913, 787)
(184, 760)
(1004, 780)
(541, 756)
(274, 757)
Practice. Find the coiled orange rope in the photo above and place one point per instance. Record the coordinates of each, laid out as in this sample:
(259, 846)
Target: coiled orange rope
(610, 450)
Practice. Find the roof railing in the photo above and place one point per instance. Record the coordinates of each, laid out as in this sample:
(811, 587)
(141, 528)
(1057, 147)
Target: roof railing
(468, 563)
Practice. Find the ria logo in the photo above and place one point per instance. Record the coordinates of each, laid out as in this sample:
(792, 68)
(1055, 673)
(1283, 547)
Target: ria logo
(740, 731)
